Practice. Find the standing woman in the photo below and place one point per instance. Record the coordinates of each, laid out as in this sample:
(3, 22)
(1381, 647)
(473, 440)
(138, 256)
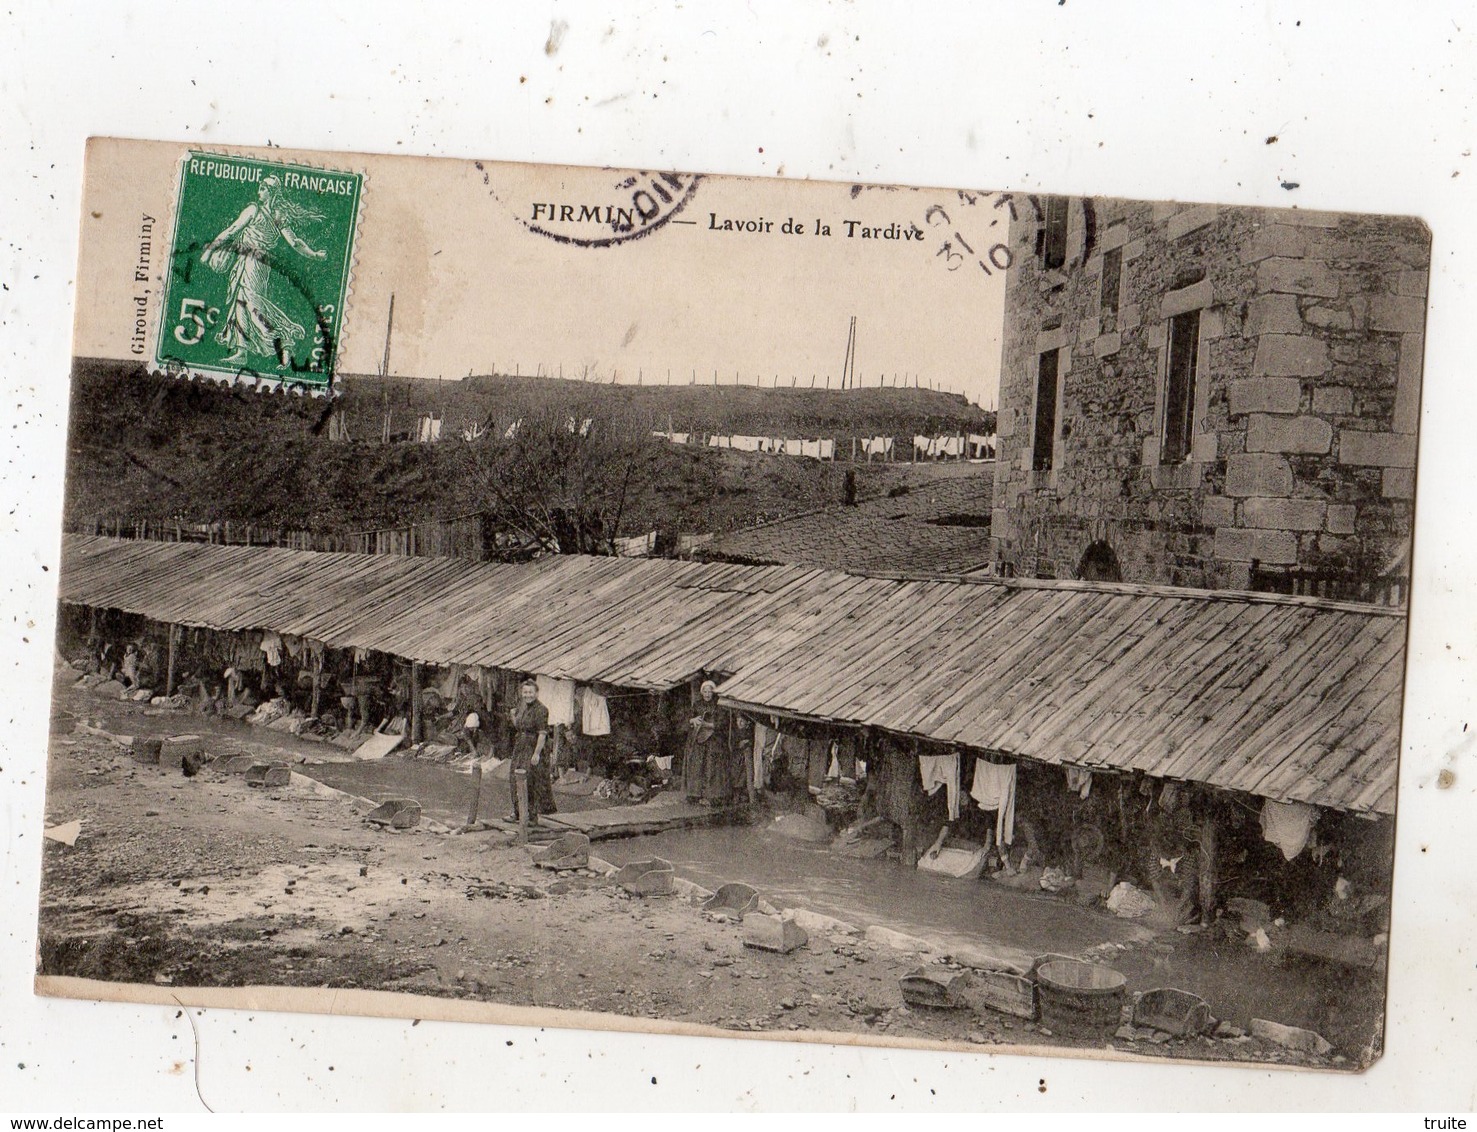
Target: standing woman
(707, 771)
(531, 735)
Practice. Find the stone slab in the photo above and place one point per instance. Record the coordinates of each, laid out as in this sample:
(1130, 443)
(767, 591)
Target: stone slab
(647, 878)
(898, 941)
(773, 933)
(1305, 435)
(1291, 355)
(1376, 449)
(265, 776)
(1290, 1037)
(933, 988)
(397, 813)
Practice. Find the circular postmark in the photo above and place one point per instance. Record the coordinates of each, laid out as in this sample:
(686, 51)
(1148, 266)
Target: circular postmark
(971, 236)
(631, 206)
(315, 368)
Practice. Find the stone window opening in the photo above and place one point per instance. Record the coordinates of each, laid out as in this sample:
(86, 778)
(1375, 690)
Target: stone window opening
(1112, 289)
(1043, 437)
(1053, 237)
(1179, 388)
(1099, 563)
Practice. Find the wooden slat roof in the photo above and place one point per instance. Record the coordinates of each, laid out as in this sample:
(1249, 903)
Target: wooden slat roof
(1296, 699)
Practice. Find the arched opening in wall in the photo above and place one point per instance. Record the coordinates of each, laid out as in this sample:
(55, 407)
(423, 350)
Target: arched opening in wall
(1099, 564)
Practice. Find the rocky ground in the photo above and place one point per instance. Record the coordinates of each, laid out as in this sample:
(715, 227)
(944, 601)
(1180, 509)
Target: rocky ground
(204, 881)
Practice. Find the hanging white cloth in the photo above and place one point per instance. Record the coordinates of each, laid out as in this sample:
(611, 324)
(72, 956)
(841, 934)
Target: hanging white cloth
(941, 770)
(994, 789)
(1079, 780)
(558, 697)
(450, 683)
(1287, 825)
(594, 713)
(272, 647)
(767, 746)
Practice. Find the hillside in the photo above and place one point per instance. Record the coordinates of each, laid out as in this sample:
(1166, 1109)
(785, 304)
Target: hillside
(143, 446)
(685, 408)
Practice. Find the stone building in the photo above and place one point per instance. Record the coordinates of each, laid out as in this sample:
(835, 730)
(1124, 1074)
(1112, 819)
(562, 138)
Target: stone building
(1209, 396)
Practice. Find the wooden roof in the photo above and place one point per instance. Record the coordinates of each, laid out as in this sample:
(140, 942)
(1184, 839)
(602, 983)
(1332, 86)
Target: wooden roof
(1296, 699)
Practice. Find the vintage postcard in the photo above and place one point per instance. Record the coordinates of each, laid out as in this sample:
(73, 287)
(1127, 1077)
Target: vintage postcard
(643, 600)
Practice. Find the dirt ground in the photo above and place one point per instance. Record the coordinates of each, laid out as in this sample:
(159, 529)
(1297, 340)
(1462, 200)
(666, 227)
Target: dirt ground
(204, 881)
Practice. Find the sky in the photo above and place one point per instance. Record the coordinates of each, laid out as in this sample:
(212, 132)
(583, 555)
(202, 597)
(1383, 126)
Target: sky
(487, 277)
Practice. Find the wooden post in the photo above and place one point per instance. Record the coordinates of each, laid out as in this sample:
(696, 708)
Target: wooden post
(169, 667)
(415, 702)
(554, 762)
(476, 788)
(756, 757)
(520, 782)
(317, 681)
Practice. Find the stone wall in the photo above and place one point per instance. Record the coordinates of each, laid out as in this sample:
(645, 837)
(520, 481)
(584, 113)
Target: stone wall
(1302, 450)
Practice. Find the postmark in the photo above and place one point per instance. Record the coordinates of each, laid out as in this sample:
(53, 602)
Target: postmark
(979, 243)
(632, 206)
(258, 270)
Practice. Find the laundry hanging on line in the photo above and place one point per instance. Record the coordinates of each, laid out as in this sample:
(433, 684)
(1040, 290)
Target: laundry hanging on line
(449, 684)
(594, 713)
(1288, 825)
(768, 746)
(1079, 780)
(981, 447)
(994, 789)
(941, 770)
(558, 697)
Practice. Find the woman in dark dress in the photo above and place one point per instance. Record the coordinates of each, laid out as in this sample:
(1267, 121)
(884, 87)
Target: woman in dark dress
(707, 770)
(530, 735)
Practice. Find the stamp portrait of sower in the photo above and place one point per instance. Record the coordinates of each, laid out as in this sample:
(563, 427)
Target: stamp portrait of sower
(252, 322)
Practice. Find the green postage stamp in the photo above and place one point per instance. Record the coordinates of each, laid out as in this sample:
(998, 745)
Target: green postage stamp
(258, 270)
